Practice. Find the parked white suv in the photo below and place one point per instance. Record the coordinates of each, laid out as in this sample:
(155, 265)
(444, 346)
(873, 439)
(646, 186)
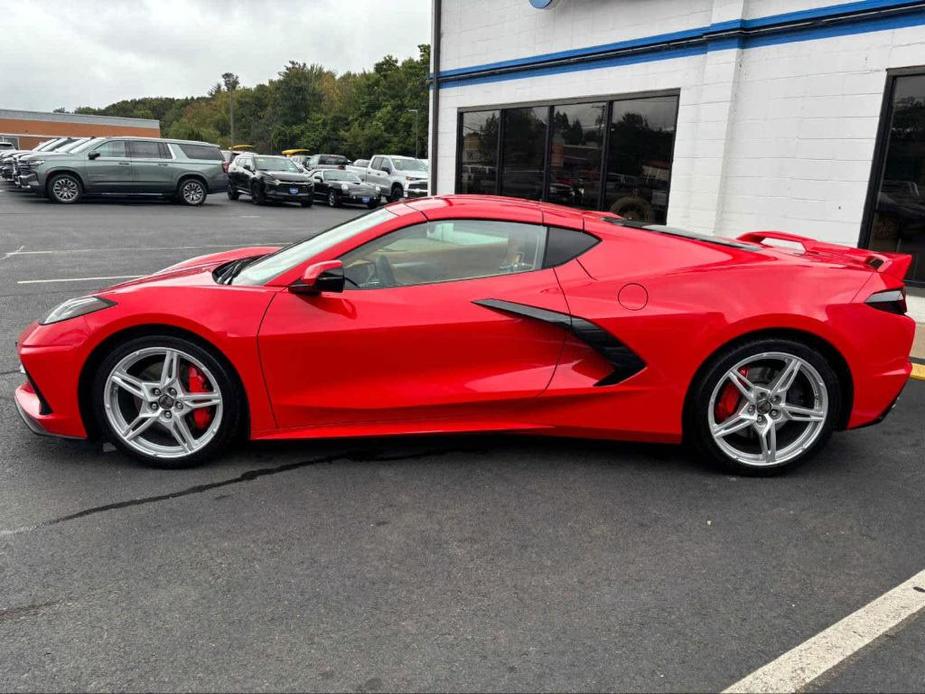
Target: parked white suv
(398, 177)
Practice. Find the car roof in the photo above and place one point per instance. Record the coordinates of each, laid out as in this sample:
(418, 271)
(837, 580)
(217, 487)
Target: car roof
(167, 140)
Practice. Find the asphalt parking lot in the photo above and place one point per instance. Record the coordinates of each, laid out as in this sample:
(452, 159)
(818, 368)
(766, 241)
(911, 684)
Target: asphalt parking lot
(438, 563)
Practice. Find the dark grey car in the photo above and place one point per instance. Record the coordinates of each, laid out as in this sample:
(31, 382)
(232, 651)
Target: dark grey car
(182, 170)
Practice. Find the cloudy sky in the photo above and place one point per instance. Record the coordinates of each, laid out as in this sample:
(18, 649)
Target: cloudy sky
(94, 52)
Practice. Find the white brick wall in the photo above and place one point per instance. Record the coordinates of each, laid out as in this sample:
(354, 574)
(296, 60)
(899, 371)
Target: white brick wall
(778, 136)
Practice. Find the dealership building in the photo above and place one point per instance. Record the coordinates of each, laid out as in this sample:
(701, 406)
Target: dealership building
(26, 129)
(721, 116)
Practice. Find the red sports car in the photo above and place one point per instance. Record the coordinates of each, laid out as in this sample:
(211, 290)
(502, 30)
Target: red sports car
(467, 313)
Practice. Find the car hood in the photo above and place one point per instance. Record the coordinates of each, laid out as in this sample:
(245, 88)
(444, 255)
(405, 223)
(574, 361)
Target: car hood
(191, 271)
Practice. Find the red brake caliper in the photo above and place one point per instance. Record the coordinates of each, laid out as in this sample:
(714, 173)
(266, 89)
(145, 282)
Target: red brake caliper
(197, 384)
(729, 400)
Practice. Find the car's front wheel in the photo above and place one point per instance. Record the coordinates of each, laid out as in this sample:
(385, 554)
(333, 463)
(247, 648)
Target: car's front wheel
(764, 406)
(166, 400)
(397, 192)
(192, 192)
(333, 201)
(65, 189)
(233, 193)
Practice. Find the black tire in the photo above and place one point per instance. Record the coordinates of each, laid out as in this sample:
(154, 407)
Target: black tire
(192, 192)
(233, 193)
(397, 193)
(697, 413)
(258, 197)
(64, 189)
(233, 399)
(333, 200)
(306, 203)
(373, 204)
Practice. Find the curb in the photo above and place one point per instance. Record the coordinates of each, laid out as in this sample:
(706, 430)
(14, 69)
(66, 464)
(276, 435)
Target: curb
(918, 369)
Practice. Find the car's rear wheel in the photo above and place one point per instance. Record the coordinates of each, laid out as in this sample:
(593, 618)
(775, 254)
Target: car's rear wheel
(65, 189)
(192, 192)
(764, 406)
(166, 401)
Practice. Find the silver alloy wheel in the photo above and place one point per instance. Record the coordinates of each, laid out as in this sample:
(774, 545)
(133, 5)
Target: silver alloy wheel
(65, 189)
(193, 192)
(332, 199)
(148, 405)
(781, 409)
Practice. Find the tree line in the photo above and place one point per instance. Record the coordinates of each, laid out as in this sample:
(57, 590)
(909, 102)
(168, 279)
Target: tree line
(305, 106)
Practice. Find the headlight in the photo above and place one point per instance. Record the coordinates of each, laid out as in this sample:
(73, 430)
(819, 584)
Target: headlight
(344, 187)
(269, 180)
(34, 162)
(72, 308)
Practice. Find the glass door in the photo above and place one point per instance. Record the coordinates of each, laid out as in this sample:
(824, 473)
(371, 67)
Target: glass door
(896, 211)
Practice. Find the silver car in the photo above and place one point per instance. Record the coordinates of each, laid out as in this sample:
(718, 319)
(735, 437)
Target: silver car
(181, 170)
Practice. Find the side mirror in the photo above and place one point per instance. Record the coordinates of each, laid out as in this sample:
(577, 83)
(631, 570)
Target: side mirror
(327, 276)
(387, 169)
(93, 155)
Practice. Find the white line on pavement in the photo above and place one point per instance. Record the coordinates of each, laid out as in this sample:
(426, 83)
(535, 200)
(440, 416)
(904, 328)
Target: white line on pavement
(81, 279)
(7, 255)
(796, 668)
(137, 250)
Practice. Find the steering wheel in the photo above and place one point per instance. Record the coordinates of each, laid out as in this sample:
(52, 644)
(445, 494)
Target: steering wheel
(384, 271)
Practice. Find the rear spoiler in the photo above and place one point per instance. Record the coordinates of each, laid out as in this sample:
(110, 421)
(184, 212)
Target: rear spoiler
(896, 265)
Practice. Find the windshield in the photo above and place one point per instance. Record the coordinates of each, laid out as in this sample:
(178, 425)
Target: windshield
(341, 176)
(88, 144)
(265, 269)
(409, 165)
(276, 164)
(77, 145)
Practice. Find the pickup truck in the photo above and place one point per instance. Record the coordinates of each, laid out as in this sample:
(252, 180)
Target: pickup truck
(398, 177)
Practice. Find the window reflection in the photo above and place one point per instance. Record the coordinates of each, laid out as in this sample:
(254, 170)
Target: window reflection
(523, 152)
(899, 215)
(575, 154)
(478, 153)
(639, 158)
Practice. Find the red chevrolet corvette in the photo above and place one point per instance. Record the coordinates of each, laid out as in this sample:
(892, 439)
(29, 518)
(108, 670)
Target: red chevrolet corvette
(460, 314)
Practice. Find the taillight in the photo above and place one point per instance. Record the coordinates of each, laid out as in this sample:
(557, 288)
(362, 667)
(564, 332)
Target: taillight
(891, 300)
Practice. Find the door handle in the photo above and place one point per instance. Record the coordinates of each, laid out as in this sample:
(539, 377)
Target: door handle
(124, 163)
(162, 164)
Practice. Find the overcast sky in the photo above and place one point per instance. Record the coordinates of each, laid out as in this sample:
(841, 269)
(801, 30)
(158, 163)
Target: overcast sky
(95, 52)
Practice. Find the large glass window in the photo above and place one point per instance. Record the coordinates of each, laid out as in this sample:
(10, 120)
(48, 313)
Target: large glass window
(898, 220)
(523, 152)
(478, 152)
(563, 153)
(112, 148)
(575, 154)
(639, 158)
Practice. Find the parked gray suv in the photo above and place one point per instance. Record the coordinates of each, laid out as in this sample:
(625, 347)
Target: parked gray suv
(182, 170)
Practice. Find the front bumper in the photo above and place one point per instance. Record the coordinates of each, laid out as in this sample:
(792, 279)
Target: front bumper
(30, 181)
(415, 192)
(283, 192)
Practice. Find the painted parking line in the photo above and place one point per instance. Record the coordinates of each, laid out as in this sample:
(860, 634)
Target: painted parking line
(795, 669)
(81, 279)
(64, 251)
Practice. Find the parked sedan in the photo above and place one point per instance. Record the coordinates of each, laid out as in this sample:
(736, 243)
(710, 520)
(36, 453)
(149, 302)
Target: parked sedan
(342, 187)
(478, 313)
(265, 177)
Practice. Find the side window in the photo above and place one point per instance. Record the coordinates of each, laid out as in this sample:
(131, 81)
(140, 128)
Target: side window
(445, 251)
(376, 164)
(148, 150)
(113, 148)
(562, 245)
(201, 152)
